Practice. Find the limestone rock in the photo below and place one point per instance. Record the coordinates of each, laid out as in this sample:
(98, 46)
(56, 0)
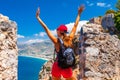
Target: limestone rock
(96, 20)
(8, 49)
(102, 55)
(107, 23)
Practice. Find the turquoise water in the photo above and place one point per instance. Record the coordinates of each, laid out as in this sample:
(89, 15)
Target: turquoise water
(29, 67)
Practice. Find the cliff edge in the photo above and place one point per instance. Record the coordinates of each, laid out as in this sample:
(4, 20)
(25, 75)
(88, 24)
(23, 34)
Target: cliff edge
(102, 52)
(8, 49)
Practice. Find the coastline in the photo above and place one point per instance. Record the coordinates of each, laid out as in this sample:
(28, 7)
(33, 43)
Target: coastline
(33, 57)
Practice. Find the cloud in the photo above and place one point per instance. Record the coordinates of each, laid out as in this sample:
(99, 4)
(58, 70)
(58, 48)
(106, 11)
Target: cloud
(41, 34)
(100, 4)
(89, 4)
(70, 26)
(34, 41)
(35, 34)
(108, 5)
(54, 32)
(20, 36)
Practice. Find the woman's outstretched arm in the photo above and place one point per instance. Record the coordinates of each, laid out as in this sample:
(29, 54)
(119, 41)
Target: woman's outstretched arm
(72, 33)
(50, 35)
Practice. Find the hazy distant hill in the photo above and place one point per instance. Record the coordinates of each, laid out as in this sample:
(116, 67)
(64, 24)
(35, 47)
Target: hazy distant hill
(41, 49)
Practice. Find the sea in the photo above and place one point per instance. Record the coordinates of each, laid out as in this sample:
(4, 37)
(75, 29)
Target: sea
(29, 67)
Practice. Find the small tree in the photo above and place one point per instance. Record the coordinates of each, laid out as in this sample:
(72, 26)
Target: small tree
(110, 11)
(118, 5)
(117, 20)
(117, 16)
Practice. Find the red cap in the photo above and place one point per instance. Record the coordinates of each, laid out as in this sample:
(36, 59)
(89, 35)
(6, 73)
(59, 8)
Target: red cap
(62, 28)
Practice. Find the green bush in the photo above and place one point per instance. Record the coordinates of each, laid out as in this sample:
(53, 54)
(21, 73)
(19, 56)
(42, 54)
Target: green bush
(117, 20)
(110, 11)
(118, 5)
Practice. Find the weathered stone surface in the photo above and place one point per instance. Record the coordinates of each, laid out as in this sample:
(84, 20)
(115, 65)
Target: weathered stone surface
(96, 20)
(107, 23)
(8, 49)
(102, 55)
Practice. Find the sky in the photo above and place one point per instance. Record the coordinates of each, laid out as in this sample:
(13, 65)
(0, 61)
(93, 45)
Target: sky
(52, 12)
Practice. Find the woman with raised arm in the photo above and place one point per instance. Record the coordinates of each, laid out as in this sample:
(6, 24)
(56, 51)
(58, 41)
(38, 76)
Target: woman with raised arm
(57, 72)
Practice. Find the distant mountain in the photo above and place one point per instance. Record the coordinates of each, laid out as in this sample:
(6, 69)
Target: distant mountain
(40, 49)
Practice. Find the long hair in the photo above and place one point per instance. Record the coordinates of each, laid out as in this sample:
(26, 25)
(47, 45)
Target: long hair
(66, 40)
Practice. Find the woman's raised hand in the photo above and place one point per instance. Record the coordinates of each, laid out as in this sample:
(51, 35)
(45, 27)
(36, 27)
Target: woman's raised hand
(37, 12)
(80, 9)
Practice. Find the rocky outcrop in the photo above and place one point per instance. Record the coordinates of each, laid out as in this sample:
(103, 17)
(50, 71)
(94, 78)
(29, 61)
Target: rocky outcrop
(8, 49)
(107, 23)
(102, 54)
(96, 20)
(45, 73)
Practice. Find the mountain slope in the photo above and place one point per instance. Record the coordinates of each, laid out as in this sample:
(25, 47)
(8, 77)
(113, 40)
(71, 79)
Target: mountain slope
(43, 49)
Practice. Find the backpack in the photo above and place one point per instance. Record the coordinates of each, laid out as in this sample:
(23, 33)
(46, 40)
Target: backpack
(65, 56)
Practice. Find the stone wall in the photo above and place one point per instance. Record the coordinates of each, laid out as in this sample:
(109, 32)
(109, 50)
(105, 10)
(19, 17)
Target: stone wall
(8, 49)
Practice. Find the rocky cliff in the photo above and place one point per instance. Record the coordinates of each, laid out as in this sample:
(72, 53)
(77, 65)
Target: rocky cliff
(107, 23)
(8, 49)
(102, 52)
